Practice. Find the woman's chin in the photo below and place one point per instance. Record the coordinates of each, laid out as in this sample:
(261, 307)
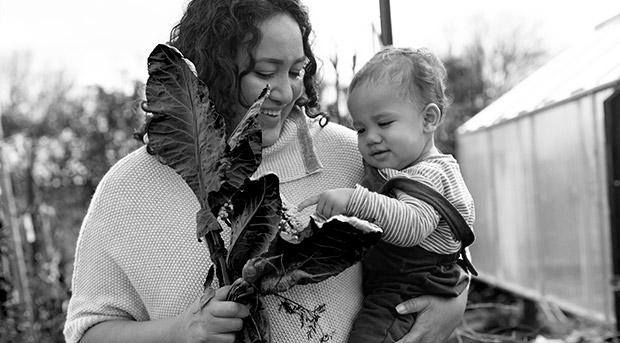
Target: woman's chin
(271, 130)
(270, 136)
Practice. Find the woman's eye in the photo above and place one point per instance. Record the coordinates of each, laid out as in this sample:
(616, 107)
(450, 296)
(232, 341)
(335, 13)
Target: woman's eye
(264, 75)
(298, 74)
(360, 131)
(385, 123)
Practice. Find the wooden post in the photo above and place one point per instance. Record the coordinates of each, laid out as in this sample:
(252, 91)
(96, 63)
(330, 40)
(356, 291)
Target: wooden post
(386, 22)
(10, 215)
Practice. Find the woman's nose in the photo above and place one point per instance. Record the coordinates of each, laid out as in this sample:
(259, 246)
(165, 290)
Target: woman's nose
(285, 90)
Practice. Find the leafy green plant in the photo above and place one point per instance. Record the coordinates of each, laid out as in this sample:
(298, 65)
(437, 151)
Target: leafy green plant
(188, 135)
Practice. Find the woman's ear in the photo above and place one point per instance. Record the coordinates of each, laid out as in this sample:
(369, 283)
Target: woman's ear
(432, 117)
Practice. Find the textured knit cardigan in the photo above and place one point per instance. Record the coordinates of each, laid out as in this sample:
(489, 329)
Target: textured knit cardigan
(137, 256)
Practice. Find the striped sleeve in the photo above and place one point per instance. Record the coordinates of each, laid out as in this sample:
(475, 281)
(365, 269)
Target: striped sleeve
(406, 221)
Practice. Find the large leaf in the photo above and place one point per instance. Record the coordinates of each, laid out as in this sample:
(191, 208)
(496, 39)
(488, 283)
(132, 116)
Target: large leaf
(240, 163)
(335, 245)
(185, 131)
(249, 120)
(254, 222)
(243, 154)
(187, 134)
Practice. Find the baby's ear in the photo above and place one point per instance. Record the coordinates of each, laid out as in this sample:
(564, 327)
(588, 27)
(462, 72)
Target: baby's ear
(432, 117)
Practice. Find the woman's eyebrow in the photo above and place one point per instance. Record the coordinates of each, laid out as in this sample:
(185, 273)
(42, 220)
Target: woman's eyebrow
(279, 61)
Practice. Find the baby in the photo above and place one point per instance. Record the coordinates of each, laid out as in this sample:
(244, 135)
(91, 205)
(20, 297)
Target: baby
(411, 190)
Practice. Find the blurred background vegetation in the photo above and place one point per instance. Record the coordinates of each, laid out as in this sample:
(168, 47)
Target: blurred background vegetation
(58, 140)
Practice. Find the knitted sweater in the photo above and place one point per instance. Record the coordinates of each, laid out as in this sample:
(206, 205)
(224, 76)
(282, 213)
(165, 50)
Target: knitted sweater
(137, 256)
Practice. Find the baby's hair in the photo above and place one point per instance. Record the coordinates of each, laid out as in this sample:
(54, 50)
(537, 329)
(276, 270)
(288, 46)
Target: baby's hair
(420, 75)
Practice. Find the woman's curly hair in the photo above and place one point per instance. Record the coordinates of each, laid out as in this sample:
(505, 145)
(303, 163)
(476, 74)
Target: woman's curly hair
(211, 32)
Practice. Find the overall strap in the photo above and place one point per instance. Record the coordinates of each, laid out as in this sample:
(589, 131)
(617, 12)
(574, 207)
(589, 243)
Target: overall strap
(451, 215)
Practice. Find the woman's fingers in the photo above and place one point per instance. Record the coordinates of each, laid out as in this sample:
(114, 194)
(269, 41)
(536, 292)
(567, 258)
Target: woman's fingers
(229, 309)
(413, 305)
(221, 293)
(227, 325)
(226, 309)
(212, 319)
(437, 317)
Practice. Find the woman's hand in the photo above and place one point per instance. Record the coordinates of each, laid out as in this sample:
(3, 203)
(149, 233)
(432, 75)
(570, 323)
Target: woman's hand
(437, 317)
(217, 322)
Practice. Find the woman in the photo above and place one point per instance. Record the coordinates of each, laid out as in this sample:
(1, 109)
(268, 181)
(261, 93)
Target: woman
(139, 271)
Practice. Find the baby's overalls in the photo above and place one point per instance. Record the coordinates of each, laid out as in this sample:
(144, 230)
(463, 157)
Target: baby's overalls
(394, 274)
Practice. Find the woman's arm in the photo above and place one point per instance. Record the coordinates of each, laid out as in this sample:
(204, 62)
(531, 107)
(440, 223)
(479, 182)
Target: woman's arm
(217, 322)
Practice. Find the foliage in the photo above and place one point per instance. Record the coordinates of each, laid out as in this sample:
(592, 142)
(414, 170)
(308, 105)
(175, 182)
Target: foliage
(334, 245)
(255, 215)
(488, 67)
(59, 143)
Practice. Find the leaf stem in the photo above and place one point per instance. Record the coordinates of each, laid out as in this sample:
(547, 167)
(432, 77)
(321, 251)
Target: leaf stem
(215, 245)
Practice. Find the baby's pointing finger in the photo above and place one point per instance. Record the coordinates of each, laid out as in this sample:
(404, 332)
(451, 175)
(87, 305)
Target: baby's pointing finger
(313, 200)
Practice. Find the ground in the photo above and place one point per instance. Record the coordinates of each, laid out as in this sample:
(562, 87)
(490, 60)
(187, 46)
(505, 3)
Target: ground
(495, 315)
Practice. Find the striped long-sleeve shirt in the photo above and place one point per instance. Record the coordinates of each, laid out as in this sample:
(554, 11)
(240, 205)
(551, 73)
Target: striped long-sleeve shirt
(407, 221)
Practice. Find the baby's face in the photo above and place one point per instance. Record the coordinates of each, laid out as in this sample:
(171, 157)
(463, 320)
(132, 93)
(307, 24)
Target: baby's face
(390, 128)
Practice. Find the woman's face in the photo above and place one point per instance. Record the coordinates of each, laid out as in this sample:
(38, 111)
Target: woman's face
(280, 61)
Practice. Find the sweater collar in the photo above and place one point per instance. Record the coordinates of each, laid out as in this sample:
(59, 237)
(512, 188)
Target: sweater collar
(292, 156)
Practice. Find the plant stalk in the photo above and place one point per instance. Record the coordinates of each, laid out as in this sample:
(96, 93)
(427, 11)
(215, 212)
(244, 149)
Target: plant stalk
(215, 243)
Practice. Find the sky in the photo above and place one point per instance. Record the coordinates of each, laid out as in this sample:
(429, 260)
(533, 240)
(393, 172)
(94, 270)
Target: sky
(107, 42)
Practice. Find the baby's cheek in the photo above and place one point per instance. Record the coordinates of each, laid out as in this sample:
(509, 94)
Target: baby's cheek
(361, 146)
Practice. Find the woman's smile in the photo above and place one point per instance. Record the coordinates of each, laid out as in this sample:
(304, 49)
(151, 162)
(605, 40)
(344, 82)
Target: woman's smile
(266, 114)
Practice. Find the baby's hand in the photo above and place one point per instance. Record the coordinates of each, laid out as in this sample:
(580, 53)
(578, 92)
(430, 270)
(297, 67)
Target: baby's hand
(329, 203)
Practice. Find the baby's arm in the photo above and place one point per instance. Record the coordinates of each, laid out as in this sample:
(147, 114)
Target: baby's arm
(405, 220)
(329, 203)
